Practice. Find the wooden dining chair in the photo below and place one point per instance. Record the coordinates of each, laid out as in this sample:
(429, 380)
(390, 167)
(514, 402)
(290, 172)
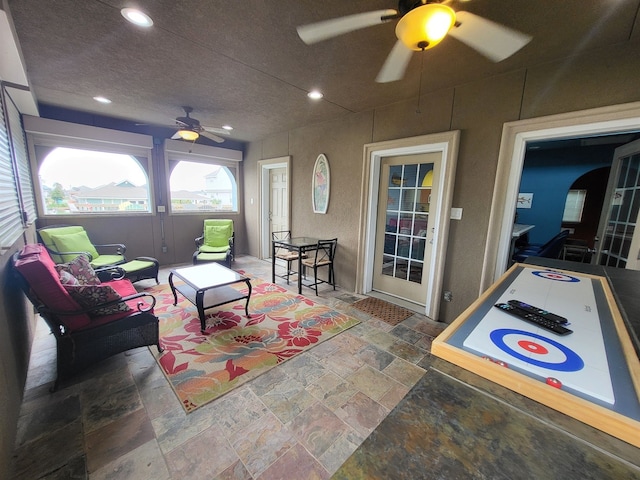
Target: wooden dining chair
(284, 254)
(324, 256)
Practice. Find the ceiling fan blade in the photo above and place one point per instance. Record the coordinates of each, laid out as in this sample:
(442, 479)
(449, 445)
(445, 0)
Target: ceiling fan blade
(211, 136)
(219, 131)
(316, 32)
(395, 64)
(491, 39)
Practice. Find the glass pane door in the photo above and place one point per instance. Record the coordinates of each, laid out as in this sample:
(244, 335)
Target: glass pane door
(407, 217)
(405, 230)
(623, 214)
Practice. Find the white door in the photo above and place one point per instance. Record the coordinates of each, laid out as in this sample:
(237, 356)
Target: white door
(279, 205)
(619, 244)
(274, 200)
(404, 227)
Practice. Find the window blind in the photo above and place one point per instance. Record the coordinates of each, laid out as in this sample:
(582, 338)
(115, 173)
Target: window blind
(10, 211)
(573, 206)
(19, 144)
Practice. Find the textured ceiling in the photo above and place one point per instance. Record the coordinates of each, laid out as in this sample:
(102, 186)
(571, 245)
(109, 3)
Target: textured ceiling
(242, 63)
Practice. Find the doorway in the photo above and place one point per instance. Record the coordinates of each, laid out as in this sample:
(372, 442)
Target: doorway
(396, 171)
(564, 184)
(515, 136)
(275, 200)
(584, 231)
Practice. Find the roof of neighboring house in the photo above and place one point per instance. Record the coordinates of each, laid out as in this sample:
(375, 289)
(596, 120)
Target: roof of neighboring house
(187, 195)
(114, 190)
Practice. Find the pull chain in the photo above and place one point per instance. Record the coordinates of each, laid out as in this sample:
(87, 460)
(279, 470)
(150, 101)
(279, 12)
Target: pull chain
(420, 84)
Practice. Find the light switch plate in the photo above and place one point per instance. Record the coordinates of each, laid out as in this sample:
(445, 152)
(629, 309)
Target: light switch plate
(456, 214)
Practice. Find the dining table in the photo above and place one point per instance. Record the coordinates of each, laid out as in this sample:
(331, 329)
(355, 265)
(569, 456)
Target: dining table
(301, 245)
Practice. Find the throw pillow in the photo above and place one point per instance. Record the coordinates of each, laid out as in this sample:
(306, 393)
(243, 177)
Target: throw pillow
(93, 295)
(74, 242)
(216, 236)
(81, 270)
(67, 279)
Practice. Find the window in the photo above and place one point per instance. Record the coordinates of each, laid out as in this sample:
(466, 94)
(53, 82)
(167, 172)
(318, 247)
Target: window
(16, 194)
(10, 222)
(75, 181)
(84, 170)
(202, 187)
(573, 206)
(201, 178)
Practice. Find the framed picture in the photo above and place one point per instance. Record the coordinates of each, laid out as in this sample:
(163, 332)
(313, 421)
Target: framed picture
(525, 200)
(320, 184)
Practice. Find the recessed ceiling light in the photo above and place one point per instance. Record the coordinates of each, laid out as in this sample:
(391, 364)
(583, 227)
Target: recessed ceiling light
(102, 99)
(227, 127)
(137, 17)
(315, 95)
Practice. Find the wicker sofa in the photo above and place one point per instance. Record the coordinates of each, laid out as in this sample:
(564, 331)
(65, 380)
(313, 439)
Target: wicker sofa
(91, 319)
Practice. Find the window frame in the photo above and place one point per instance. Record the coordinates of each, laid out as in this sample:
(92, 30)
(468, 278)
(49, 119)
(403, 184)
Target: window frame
(176, 151)
(55, 133)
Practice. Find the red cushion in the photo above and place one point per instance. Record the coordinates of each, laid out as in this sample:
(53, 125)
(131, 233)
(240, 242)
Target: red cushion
(124, 287)
(38, 269)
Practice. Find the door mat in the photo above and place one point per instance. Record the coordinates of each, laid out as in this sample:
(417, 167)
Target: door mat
(385, 311)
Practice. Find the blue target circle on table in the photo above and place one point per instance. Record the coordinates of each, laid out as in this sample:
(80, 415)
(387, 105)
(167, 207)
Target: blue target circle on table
(572, 363)
(557, 276)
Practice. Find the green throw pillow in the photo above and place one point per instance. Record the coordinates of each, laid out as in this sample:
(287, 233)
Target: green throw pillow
(216, 235)
(74, 242)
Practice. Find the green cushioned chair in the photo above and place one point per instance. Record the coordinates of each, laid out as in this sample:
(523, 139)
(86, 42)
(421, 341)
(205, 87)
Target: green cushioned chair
(216, 244)
(66, 242)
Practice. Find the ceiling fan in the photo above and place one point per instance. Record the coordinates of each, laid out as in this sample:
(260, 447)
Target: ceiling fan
(422, 24)
(189, 128)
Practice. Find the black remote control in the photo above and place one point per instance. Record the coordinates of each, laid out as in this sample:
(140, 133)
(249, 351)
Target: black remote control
(542, 322)
(537, 311)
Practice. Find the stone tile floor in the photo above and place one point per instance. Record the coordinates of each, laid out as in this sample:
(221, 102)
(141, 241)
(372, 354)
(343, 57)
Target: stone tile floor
(121, 420)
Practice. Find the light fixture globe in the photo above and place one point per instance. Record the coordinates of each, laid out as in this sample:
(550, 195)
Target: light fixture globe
(189, 135)
(137, 17)
(425, 26)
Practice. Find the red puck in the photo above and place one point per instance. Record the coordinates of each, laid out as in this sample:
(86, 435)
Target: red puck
(554, 382)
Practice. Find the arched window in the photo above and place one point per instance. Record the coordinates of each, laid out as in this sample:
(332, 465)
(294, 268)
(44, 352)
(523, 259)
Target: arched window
(79, 181)
(202, 178)
(202, 187)
(86, 170)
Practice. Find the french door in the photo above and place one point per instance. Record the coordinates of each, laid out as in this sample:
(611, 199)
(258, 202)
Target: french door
(405, 229)
(619, 244)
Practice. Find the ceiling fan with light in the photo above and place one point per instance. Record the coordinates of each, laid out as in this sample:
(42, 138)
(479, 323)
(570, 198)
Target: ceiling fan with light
(422, 24)
(189, 129)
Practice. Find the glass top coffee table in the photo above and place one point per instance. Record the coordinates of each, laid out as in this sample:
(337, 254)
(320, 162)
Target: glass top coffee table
(207, 286)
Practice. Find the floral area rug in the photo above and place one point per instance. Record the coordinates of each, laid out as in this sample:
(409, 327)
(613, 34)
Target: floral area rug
(235, 349)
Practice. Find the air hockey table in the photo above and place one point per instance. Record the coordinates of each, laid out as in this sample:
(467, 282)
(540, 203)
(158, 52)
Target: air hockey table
(591, 374)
